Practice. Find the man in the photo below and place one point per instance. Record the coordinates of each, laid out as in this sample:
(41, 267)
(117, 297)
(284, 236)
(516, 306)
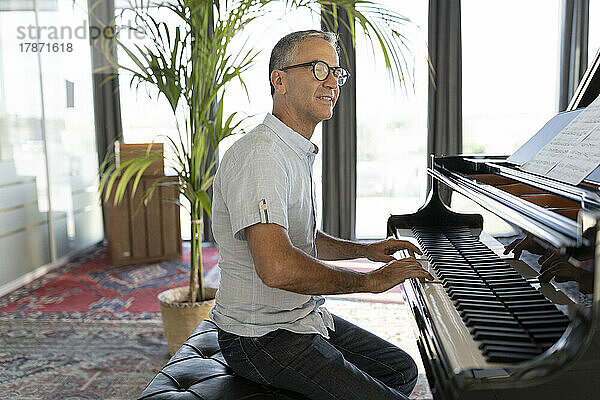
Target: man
(273, 328)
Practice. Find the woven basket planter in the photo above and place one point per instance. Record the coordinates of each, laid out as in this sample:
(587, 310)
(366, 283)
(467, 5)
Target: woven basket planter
(181, 318)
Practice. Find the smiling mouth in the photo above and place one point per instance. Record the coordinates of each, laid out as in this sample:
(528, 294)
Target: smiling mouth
(326, 98)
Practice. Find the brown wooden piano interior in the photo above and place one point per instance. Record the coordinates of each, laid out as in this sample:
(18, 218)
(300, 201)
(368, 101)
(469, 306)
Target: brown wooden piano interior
(550, 201)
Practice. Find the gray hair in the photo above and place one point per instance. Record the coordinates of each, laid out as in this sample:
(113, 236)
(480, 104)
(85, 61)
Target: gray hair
(285, 50)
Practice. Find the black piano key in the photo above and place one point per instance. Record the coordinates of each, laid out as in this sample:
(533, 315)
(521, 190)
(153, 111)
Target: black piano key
(503, 329)
(473, 296)
(522, 296)
(521, 290)
(491, 323)
(541, 306)
(489, 263)
(531, 351)
(453, 268)
(560, 326)
(496, 335)
(458, 275)
(537, 313)
(456, 270)
(495, 285)
(506, 274)
(538, 330)
(479, 307)
(513, 343)
(459, 281)
(499, 275)
(478, 313)
(546, 337)
(533, 319)
(452, 291)
(485, 315)
(501, 357)
(454, 264)
(468, 304)
(473, 322)
(543, 301)
(510, 281)
(480, 302)
(465, 284)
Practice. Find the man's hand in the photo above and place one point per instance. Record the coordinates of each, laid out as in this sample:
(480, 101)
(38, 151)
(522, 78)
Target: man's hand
(394, 273)
(526, 243)
(383, 250)
(549, 259)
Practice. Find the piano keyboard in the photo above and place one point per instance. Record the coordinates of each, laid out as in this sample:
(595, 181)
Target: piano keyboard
(512, 320)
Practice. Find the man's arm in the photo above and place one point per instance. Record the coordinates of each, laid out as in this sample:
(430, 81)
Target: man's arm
(331, 248)
(281, 265)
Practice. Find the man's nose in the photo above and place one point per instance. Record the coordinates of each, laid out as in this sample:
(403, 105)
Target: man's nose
(331, 81)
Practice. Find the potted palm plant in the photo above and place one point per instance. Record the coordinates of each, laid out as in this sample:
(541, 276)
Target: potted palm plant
(189, 63)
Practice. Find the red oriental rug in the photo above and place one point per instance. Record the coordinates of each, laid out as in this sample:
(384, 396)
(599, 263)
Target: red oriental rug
(90, 330)
(90, 288)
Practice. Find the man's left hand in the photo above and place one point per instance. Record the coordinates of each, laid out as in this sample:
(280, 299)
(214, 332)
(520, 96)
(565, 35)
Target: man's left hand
(383, 250)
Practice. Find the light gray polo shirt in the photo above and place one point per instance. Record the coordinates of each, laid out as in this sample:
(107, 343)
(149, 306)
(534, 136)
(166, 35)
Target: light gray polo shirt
(264, 177)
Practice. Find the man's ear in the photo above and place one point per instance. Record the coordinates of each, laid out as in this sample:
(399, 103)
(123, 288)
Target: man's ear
(278, 81)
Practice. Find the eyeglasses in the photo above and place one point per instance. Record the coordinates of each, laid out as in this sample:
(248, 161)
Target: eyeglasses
(321, 71)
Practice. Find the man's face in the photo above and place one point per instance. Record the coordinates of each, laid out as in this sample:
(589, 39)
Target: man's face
(312, 99)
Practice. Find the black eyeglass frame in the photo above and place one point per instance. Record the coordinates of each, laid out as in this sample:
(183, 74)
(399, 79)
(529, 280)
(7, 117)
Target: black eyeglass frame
(329, 69)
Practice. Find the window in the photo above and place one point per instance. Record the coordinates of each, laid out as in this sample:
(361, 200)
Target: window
(48, 166)
(263, 35)
(392, 131)
(144, 117)
(510, 80)
(510, 72)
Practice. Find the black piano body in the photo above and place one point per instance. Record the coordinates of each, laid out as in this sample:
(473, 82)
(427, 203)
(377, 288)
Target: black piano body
(492, 331)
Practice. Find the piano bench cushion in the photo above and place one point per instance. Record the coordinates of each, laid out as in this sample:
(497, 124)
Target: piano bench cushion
(198, 370)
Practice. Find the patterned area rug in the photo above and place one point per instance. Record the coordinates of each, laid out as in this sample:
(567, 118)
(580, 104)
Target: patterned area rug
(89, 330)
(115, 360)
(98, 360)
(90, 288)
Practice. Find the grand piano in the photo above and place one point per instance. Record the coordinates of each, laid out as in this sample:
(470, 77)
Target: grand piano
(495, 328)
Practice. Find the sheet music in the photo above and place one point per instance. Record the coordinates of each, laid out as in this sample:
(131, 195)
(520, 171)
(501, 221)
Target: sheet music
(542, 137)
(580, 161)
(565, 154)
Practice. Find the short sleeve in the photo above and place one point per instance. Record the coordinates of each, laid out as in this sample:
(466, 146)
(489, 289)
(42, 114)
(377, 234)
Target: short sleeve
(254, 189)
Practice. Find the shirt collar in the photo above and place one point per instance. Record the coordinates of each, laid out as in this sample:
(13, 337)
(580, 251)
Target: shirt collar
(301, 145)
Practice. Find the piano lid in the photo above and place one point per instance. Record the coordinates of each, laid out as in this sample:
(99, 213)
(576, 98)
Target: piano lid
(589, 87)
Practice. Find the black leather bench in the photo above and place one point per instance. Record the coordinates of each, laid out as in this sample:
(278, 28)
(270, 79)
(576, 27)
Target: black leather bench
(198, 371)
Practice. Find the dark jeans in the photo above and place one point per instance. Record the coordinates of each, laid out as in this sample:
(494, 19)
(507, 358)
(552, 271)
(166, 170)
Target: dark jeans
(351, 364)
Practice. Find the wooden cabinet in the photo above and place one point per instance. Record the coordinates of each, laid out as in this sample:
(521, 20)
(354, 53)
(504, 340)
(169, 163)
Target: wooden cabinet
(138, 233)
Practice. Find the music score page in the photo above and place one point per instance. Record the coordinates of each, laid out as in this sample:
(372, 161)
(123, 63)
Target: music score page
(574, 152)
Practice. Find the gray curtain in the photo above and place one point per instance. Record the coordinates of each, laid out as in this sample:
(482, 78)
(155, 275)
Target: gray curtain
(107, 107)
(105, 86)
(444, 127)
(339, 142)
(574, 48)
